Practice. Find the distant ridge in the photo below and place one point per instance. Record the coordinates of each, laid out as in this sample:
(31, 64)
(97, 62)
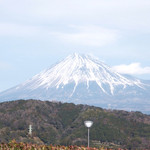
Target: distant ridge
(82, 79)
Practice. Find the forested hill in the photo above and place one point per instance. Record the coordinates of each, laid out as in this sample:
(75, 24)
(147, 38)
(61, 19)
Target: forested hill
(63, 123)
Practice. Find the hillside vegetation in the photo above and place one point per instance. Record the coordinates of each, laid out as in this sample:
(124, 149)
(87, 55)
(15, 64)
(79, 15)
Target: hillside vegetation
(63, 124)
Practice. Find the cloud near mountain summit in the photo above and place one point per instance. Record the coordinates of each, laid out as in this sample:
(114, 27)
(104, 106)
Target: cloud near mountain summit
(132, 69)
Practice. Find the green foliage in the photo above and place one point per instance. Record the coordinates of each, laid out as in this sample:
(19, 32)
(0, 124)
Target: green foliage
(63, 123)
(68, 113)
(47, 134)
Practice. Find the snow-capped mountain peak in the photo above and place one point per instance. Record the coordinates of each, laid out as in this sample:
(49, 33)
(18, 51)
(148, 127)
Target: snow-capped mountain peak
(85, 80)
(80, 68)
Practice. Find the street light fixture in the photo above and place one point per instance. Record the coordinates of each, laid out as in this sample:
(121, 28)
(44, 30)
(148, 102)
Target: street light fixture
(88, 124)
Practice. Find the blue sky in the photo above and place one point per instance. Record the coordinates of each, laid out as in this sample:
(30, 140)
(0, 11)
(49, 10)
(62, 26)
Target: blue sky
(34, 34)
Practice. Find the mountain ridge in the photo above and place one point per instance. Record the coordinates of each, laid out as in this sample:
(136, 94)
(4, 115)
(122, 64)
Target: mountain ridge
(63, 123)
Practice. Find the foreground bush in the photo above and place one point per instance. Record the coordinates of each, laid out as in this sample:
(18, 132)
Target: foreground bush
(13, 145)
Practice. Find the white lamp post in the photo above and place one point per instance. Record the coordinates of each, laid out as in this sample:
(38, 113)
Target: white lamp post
(88, 124)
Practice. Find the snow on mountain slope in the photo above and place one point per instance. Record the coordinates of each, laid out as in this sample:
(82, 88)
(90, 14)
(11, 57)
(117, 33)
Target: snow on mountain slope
(76, 68)
(81, 79)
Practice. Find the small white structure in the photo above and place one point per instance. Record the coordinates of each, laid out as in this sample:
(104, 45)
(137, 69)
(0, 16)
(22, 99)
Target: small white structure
(30, 130)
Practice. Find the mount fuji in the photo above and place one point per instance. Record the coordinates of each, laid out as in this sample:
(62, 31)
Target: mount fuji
(83, 79)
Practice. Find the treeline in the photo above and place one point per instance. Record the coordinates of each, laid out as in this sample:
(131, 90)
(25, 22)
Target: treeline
(63, 124)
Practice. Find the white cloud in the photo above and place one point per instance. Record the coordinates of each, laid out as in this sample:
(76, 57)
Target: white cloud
(78, 35)
(121, 15)
(126, 14)
(89, 36)
(13, 29)
(132, 69)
